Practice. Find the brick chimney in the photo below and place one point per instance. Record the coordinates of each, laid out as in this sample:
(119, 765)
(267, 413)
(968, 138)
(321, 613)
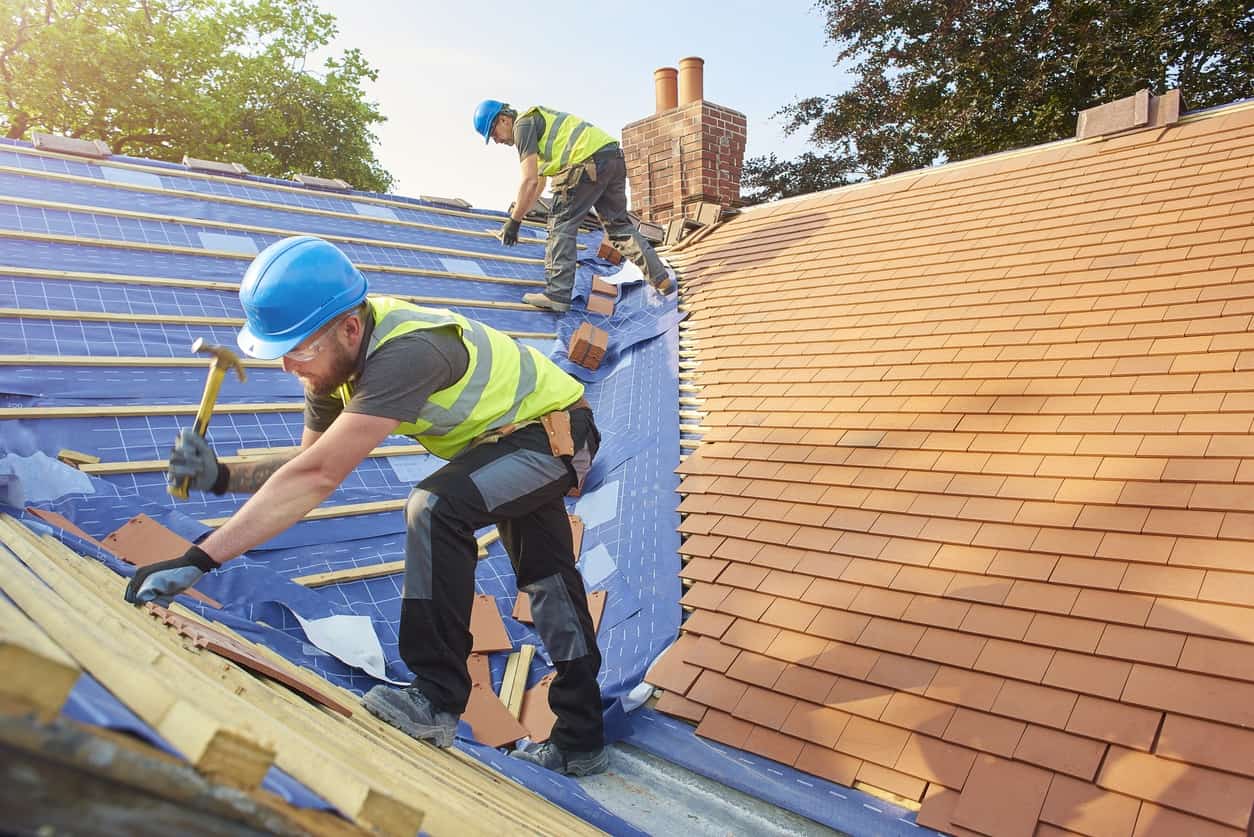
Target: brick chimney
(688, 152)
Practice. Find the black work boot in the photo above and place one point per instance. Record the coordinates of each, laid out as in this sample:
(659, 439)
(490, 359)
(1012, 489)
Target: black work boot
(550, 756)
(548, 303)
(409, 711)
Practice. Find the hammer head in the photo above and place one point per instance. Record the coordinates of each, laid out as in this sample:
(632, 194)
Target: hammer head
(223, 357)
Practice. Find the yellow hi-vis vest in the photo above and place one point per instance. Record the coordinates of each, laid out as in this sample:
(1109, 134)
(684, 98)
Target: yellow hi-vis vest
(505, 381)
(566, 141)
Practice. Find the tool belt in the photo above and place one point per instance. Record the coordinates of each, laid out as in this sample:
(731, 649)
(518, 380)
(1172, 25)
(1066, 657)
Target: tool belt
(568, 178)
(561, 442)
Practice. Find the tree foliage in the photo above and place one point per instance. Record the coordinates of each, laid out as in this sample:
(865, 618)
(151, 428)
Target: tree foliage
(215, 79)
(942, 80)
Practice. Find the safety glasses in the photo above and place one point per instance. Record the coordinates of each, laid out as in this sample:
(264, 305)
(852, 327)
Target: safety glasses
(308, 353)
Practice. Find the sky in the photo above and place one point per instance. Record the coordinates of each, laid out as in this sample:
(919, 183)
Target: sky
(438, 60)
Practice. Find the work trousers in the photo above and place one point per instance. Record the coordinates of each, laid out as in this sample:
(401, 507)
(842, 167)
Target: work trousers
(516, 483)
(574, 194)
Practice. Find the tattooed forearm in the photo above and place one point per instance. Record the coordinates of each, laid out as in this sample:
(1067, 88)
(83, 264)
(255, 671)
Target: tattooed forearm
(247, 477)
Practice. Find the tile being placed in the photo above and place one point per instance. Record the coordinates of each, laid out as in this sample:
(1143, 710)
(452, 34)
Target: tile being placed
(142, 541)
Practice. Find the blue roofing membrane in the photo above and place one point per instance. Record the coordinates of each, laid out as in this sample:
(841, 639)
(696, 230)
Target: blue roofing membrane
(156, 241)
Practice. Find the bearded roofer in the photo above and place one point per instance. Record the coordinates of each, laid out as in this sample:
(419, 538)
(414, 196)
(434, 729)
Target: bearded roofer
(518, 436)
(587, 168)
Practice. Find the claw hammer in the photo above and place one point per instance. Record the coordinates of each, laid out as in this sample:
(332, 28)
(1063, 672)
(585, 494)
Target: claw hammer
(223, 359)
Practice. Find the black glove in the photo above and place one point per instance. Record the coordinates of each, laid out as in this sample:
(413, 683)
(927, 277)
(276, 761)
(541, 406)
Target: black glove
(509, 232)
(162, 581)
(193, 459)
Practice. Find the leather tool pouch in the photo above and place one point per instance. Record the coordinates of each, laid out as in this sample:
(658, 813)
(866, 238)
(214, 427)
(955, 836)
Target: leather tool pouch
(567, 179)
(557, 426)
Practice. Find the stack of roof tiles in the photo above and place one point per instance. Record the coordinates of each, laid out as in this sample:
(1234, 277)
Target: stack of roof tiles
(972, 520)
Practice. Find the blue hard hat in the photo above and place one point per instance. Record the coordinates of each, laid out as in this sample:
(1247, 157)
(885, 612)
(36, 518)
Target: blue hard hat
(291, 289)
(485, 115)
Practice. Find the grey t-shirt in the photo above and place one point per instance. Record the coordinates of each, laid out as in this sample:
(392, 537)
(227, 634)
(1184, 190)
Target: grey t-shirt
(398, 379)
(527, 131)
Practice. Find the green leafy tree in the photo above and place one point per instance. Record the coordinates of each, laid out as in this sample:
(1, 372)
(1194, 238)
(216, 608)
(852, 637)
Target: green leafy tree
(216, 79)
(943, 80)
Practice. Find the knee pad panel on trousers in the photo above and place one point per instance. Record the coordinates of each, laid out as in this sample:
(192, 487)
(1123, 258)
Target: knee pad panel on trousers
(419, 510)
(556, 619)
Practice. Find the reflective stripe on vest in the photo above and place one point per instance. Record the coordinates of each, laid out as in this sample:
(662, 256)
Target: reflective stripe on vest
(505, 382)
(566, 140)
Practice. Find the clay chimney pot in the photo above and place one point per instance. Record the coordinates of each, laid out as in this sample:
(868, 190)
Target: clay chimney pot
(665, 91)
(691, 80)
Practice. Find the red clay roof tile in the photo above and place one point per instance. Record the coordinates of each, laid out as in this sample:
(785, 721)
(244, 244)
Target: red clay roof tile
(763, 707)
(984, 732)
(717, 691)
(872, 741)
(723, 728)
(890, 780)
(966, 688)
(1082, 808)
(1060, 752)
(1118, 723)
(1197, 790)
(830, 765)
(1002, 797)
(707, 623)
(821, 725)
(1037, 704)
(766, 742)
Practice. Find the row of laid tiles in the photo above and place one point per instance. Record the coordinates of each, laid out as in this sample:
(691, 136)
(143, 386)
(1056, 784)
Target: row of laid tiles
(1123, 625)
(863, 682)
(933, 565)
(1006, 240)
(1033, 276)
(930, 740)
(1223, 294)
(871, 520)
(1053, 179)
(954, 506)
(843, 240)
(842, 330)
(1016, 469)
(1049, 174)
(1217, 248)
(1139, 354)
(1013, 447)
(1151, 686)
(708, 286)
(1036, 645)
(1008, 798)
(1081, 300)
(1046, 582)
(1077, 353)
(1047, 353)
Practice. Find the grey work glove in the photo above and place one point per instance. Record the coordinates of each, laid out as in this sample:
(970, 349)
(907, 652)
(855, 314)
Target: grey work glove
(162, 581)
(509, 232)
(193, 459)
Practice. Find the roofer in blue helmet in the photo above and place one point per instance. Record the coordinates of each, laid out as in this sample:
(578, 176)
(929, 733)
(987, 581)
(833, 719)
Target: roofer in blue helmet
(587, 170)
(518, 436)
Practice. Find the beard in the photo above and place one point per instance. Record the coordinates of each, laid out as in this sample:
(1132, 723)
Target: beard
(342, 364)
